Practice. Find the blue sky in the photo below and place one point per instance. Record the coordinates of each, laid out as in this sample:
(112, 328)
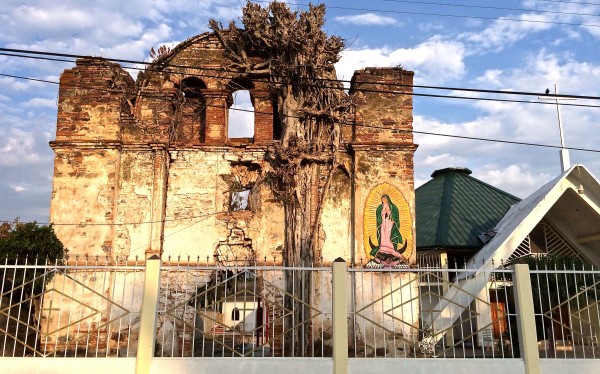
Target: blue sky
(474, 44)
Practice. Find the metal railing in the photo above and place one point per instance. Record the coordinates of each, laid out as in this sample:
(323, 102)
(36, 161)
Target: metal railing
(249, 311)
(567, 312)
(93, 308)
(87, 309)
(421, 313)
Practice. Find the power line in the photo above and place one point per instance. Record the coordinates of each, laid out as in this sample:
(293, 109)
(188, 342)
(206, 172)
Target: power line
(146, 95)
(570, 2)
(390, 128)
(363, 125)
(428, 133)
(223, 70)
(414, 131)
(28, 78)
(489, 7)
(443, 15)
(490, 139)
(84, 224)
(130, 223)
(150, 96)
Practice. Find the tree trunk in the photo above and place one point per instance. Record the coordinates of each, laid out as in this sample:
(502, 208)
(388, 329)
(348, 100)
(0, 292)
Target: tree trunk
(299, 252)
(291, 50)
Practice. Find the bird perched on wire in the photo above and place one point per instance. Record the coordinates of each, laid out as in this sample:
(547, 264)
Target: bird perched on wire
(547, 91)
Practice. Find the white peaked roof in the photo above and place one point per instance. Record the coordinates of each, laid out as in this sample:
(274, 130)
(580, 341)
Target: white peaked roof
(570, 203)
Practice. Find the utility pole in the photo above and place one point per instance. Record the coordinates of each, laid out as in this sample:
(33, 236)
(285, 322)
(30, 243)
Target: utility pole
(565, 162)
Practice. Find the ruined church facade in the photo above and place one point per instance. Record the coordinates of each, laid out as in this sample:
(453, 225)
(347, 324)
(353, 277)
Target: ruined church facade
(152, 167)
(148, 166)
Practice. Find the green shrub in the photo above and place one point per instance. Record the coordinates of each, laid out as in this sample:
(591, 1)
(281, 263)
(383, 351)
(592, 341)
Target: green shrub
(32, 244)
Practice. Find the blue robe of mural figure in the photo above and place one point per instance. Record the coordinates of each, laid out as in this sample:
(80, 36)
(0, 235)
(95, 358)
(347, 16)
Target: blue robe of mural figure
(389, 238)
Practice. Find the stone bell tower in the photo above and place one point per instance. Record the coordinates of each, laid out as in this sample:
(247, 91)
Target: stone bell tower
(383, 149)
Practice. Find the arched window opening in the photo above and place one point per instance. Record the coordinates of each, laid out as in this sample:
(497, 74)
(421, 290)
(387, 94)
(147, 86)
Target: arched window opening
(235, 314)
(241, 115)
(191, 112)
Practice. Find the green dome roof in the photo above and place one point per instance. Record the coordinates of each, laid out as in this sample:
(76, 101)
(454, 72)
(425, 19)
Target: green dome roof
(453, 209)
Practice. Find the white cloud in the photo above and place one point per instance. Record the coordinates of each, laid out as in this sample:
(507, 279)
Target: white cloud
(491, 77)
(14, 84)
(130, 28)
(136, 49)
(502, 34)
(443, 159)
(519, 178)
(518, 169)
(40, 102)
(430, 26)
(367, 19)
(18, 147)
(435, 60)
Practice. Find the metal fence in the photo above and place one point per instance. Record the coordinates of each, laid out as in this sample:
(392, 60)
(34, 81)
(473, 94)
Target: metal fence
(87, 309)
(93, 308)
(433, 313)
(567, 312)
(235, 311)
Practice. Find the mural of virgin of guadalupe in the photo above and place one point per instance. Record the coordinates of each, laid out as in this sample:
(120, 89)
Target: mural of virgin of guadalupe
(388, 253)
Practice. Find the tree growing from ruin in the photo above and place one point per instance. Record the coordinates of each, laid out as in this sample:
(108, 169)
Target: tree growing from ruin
(291, 50)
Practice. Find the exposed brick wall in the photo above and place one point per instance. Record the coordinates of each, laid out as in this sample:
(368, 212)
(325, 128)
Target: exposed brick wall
(383, 110)
(90, 99)
(382, 141)
(263, 117)
(216, 117)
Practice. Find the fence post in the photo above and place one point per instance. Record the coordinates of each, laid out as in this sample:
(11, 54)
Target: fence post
(526, 319)
(340, 317)
(147, 334)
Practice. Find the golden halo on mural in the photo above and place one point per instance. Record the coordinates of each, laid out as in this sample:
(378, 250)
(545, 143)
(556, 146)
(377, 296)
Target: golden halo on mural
(398, 207)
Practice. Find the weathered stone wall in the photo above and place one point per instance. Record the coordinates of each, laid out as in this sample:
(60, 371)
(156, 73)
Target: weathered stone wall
(198, 201)
(83, 195)
(152, 160)
(335, 237)
(146, 163)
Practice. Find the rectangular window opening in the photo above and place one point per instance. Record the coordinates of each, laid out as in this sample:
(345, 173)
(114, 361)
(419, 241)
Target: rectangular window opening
(239, 200)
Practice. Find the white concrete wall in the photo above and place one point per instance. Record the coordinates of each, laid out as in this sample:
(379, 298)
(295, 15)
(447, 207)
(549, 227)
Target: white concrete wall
(579, 366)
(435, 365)
(291, 365)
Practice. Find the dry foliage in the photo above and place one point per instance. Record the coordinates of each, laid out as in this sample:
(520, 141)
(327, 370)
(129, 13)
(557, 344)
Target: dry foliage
(155, 54)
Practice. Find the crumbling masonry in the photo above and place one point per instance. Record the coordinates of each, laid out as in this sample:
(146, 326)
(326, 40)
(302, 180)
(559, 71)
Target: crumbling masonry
(153, 162)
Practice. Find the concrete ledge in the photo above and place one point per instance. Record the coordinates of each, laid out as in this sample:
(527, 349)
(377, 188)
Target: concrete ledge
(266, 365)
(436, 365)
(569, 365)
(252, 365)
(66, 365)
